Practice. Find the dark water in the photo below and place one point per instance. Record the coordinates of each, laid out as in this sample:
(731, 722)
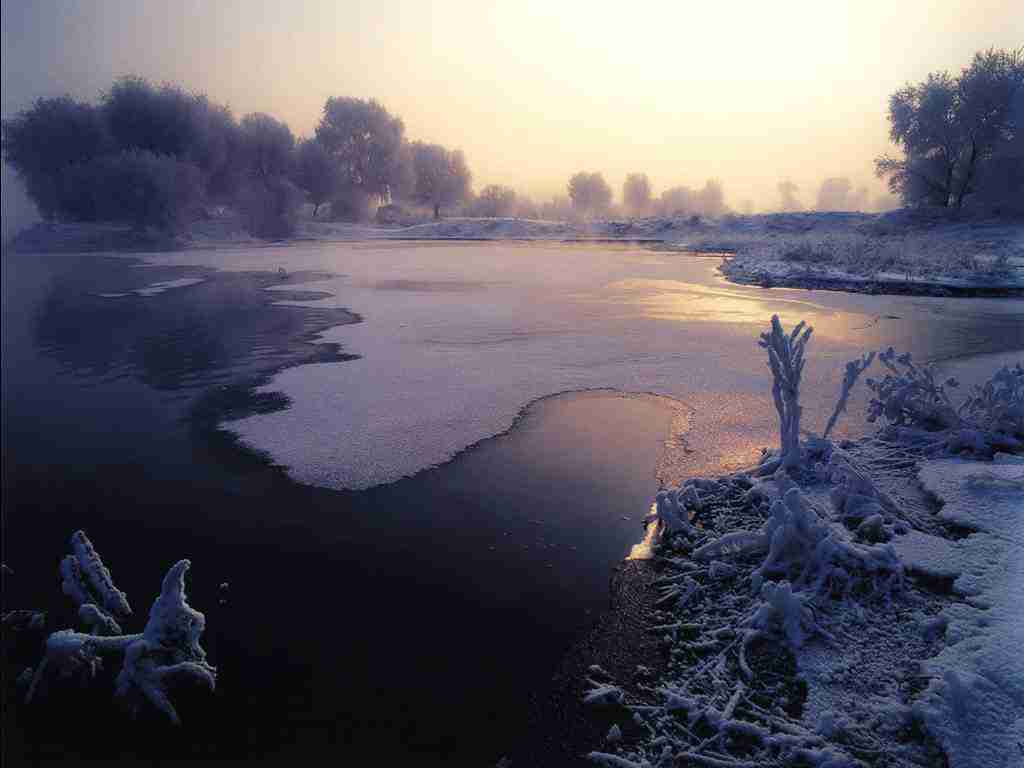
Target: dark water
(415, 620)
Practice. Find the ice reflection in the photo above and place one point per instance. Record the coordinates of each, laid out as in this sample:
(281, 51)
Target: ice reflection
(687, 302)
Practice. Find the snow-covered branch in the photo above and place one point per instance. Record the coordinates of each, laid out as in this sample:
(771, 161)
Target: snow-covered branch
(166, 651)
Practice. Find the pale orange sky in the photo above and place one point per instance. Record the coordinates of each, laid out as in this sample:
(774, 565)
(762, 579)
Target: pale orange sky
(533, 91)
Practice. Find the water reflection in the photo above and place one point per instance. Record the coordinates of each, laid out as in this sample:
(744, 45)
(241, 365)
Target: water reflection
(689, 302)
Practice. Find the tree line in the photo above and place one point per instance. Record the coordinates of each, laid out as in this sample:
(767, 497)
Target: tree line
(156, 155)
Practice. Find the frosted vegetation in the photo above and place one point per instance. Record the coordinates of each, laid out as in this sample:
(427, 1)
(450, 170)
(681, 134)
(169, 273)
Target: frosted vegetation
(165, 654)
(164, 158)
(790, 602)
(871, 249)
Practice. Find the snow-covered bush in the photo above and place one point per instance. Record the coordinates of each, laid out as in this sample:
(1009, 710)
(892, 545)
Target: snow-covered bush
(912, 399)
(166, 651)
(802, 548)
(909, 395)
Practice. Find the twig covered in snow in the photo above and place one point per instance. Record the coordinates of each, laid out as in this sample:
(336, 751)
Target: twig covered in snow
(167, 649)
(786, 360)
(854, 369)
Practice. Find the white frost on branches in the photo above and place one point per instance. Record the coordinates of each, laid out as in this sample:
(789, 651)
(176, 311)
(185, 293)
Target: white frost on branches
(786, 360)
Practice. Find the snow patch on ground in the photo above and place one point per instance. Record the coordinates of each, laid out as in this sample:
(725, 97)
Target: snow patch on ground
(975, 703)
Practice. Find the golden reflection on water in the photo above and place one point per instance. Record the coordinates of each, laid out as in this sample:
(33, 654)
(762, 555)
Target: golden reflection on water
(644, 549)
(689, 302)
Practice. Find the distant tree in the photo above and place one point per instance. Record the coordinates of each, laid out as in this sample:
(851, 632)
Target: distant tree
(442, 176)
(636, 194)
(157, 119)
(495, 200)
(558, 208)
(711, 200)
(678, 201)
(41, 142)
(366, 142)
(859, 200)
(268, 199)
(316, 173)
(950, 128)
(217, 148)
(267, 146)
(590, 193)
(788, 201)
(834, 194)
(525, 208)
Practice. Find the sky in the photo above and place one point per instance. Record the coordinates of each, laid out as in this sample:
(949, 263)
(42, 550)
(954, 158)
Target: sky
(535, 90)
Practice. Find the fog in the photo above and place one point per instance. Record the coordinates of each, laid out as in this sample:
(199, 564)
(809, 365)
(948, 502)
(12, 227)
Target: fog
(533, 92)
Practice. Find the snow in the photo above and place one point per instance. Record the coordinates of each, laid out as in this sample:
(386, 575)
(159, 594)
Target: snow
(975, 702)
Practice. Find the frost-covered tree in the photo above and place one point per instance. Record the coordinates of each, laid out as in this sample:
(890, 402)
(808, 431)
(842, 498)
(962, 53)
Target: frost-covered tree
(678, 201)
(636, 194)
(950, 129)
(495, 200)
(788, 201)
(269, 199)
(711, 199)
(267, 146)
(43, 141)
(558, 208)
(442, 176)
(316, 173)
(366, 142)
(590, 193)
(834, 194)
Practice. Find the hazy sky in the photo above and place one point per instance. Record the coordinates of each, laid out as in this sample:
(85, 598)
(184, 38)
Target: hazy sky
(533, 91)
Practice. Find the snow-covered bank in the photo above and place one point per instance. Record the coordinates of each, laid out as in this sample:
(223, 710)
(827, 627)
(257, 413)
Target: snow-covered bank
(974, 703)
(819, 612)
(896, 252)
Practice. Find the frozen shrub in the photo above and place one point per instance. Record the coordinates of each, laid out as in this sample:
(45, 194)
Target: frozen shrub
(998, 405)
(909, 395)
(913, 400)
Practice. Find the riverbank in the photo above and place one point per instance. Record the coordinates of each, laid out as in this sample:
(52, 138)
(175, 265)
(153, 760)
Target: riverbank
(901, 252)
(863, 614)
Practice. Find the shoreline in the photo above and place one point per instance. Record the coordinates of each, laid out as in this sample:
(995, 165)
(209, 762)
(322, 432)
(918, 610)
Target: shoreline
(758, 245)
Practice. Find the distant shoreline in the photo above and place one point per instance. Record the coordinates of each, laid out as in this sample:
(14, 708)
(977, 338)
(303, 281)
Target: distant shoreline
(898, 253)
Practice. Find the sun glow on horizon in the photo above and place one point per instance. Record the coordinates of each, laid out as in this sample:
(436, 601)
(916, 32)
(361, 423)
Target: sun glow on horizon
(532, 91)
